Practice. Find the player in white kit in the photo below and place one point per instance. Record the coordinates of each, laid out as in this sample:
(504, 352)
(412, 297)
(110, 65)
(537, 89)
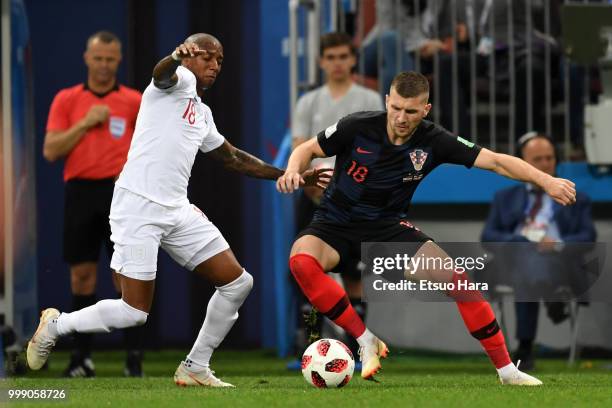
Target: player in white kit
(150, 209)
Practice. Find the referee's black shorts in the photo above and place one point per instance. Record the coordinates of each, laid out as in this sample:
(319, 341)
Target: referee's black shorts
(86, 226)
(346, 237)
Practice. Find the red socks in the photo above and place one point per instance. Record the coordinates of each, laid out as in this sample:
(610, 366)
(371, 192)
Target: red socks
(325, 294)
(330, 299)
(479, 319)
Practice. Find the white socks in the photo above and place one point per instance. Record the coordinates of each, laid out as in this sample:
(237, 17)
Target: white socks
(507, 371)
(107, 315)
(104, 316)
(366, 339)
(221, 314)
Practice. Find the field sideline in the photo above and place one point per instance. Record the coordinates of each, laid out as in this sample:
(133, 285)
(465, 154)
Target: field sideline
(408, 379)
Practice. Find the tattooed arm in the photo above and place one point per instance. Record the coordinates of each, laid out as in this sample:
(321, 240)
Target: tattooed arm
(244, 163)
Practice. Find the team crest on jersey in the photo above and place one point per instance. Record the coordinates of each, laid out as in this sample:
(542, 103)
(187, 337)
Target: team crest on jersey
(418, 158)
(117, 126)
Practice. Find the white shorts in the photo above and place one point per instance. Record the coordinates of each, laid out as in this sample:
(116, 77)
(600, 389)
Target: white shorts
(140, 226)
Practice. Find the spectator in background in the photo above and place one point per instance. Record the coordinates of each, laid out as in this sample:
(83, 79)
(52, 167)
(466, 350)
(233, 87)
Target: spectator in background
(321, 108)
(401, 32)
(90, 125)
(475, 18)
(525, 214)
(580, 90)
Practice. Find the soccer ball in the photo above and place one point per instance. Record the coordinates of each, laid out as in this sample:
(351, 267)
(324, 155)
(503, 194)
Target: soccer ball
(328, 363)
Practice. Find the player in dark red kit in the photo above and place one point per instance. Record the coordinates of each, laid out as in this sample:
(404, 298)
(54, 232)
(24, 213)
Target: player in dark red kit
(381, 159)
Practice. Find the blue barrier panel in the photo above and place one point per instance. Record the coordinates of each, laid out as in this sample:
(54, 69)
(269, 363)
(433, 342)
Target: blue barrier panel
(452, 184)
(598, 186)
(25, 307)
(267, 104)
(282, 235)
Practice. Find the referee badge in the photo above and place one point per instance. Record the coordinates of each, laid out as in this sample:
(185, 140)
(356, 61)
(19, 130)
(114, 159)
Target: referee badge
(117, 126)
(418, 158)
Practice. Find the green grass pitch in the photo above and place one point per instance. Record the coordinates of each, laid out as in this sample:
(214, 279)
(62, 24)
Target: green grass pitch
(408, 379)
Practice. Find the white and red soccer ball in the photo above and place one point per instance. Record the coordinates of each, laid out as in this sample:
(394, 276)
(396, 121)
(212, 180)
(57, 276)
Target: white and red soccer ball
(328, 363)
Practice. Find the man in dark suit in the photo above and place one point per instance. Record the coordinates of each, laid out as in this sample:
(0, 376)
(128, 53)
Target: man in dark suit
(524, 214)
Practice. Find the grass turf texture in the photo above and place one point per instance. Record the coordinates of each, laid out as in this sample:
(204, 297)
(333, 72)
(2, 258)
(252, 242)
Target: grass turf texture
(408, 379)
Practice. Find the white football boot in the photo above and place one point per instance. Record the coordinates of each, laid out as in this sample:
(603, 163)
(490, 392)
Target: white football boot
(41, 344)
(206, 378)
(370, 356)
(519, 378)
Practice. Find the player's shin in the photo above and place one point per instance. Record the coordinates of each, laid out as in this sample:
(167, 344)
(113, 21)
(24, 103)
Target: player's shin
(325, 294)
(221, 314)
(480, 321)
(103, 317)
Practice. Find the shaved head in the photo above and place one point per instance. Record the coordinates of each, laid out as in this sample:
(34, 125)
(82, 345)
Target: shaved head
(207, 65)
(203, 40)
(105, 37)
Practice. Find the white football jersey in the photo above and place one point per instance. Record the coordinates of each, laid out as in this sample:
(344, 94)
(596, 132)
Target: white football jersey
(172, 125)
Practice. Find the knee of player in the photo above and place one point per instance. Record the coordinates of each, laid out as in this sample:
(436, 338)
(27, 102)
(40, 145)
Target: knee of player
(304, 263)
(248, 280)
(140, 318)
(136, 316)
(240, 287)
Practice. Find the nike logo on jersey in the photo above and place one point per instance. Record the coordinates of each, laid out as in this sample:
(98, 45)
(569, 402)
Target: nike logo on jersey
(362, 151)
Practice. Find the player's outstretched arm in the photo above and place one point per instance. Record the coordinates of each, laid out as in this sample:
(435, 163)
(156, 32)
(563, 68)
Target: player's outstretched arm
(561, 190)
(245, 163)
(299, 161)
(164, 73)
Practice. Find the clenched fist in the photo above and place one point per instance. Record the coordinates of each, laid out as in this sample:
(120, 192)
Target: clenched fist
(561, 190)
(97, 115)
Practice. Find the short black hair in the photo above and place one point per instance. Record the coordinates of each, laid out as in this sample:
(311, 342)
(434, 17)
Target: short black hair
(104, 36)
(409, 84)
(335, 39)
